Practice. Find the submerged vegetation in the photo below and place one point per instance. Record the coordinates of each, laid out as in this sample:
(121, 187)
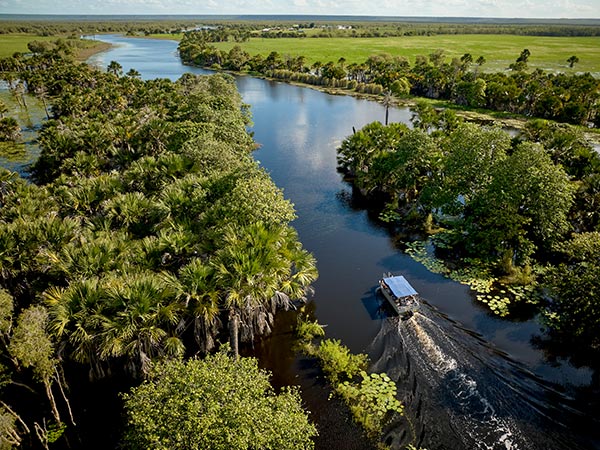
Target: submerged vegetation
(372, 398)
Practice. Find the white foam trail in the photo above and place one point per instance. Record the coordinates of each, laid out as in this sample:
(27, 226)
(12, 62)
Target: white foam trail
(480, 421)
(441, 361)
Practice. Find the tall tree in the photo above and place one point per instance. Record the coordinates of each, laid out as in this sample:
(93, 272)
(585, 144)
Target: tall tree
(115, 68)
(260, 268)
(388, 100)
(470, 156)
(524, 207)
(574, 287)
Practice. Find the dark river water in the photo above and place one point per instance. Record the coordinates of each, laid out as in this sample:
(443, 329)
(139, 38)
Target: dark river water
(469, 380)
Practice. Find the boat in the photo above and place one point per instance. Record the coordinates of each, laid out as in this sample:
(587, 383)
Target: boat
(401, 296)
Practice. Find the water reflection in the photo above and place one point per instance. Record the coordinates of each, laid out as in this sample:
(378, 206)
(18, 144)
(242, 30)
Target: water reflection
(17, 157)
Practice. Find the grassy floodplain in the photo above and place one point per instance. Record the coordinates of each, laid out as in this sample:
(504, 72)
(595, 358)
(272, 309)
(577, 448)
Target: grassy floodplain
(548, 53)
(12, 43)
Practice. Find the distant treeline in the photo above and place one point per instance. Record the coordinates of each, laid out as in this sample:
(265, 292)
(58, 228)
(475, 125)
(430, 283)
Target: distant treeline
(431, 29)
(333, 27)
(60, 28)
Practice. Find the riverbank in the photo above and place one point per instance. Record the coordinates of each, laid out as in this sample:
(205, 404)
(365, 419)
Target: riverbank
(480, 116)
(484, 117)
(85, 53)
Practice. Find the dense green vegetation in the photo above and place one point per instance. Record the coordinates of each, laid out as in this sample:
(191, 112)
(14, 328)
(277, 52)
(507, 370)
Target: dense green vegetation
(11, 44)
(217, 403)
(518, 210)
(150, 234)
(62, 27)
(569, 98)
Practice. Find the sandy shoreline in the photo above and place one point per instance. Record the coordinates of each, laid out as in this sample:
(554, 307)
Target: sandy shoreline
(85, 53)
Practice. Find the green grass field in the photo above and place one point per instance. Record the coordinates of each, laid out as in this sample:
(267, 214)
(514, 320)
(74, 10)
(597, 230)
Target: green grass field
(11, 43)
(549, 53)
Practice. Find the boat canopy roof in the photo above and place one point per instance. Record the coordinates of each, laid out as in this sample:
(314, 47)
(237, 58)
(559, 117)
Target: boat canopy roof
(399, 286)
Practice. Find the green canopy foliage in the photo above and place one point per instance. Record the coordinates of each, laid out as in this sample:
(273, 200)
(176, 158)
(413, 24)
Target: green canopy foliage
(574, 311)
(506, 204)
(134, 185)
(217, 403)
(148, 227)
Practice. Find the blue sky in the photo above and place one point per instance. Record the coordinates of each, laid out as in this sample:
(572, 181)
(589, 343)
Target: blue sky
(432, 8)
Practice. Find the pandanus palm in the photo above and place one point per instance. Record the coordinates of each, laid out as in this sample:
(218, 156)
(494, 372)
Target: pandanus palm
(143, 323)
(196, 287)
(257, 268)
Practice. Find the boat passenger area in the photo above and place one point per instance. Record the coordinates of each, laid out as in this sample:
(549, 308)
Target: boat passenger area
(400, 295)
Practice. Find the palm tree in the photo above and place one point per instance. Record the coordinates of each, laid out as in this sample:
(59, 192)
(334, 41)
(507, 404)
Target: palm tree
(75, 316)
(258, 268)
(196, 286)
(42, 94)
(572, 60)
(92, 253)
(115, 68)
(133, 317)
(3, 109)
(19, 93)
(466, 60)
(317, 67)
(132, 73)
(480, 62)
(143, 321)
(388, 100)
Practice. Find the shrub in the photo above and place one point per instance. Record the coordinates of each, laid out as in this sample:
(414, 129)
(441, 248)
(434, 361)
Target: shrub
(338, 363)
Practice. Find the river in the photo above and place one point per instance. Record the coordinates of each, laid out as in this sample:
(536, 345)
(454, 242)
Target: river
(469, 379)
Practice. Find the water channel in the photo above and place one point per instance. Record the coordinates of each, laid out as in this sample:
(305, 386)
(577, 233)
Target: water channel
(469, 379)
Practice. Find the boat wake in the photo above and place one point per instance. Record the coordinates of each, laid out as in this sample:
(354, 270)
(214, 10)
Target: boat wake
(463, 394)
(472, 411)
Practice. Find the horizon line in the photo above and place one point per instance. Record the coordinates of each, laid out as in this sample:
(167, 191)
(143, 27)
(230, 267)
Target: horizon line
(348, 16)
